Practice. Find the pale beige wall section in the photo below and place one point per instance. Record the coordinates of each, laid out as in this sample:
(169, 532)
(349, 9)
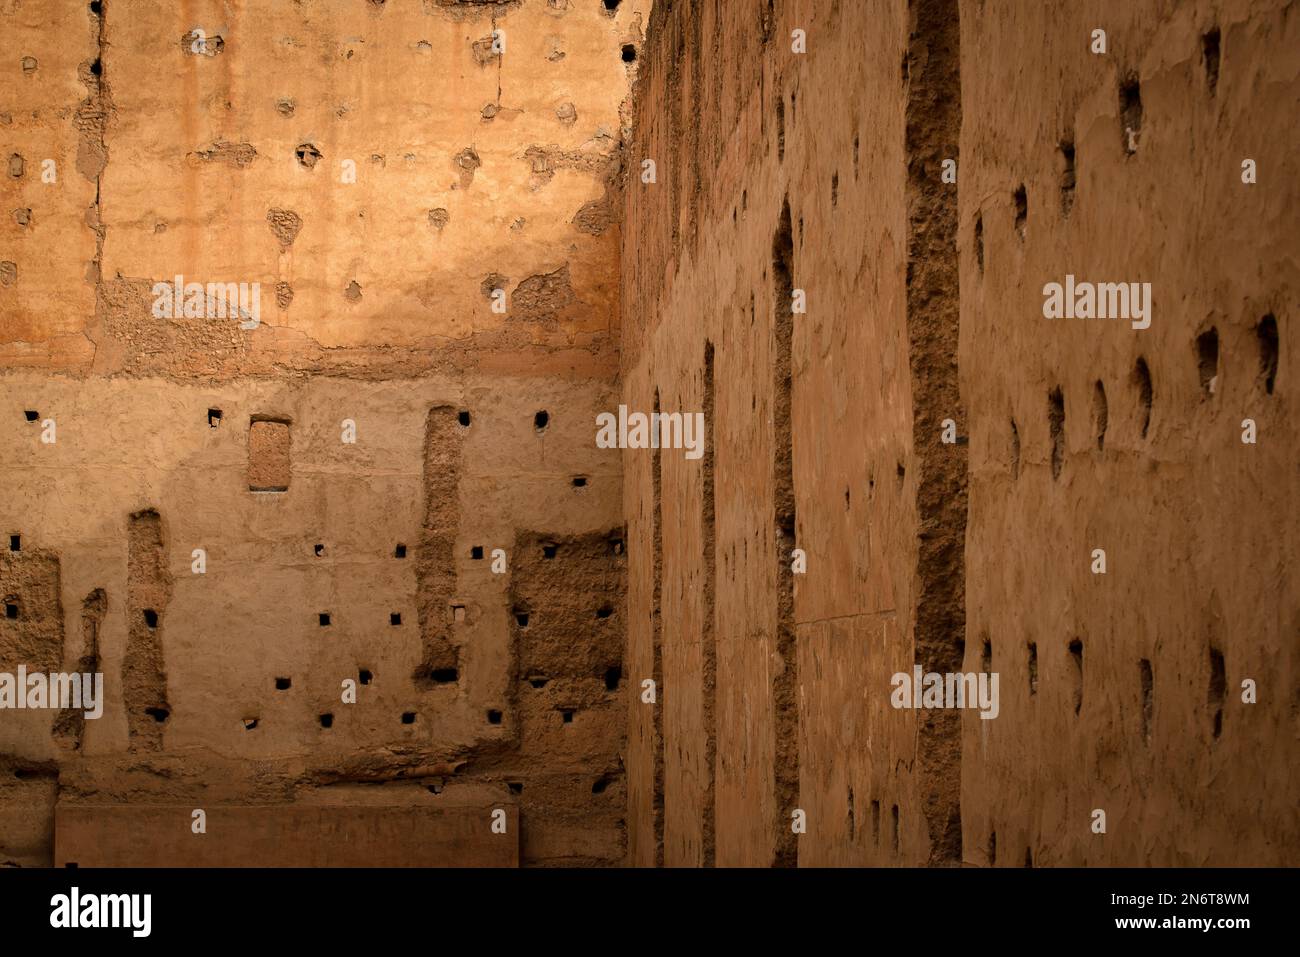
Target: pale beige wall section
(126, 445)
(1200, 531)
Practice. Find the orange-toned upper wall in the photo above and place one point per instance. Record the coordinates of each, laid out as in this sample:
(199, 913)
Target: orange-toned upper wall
(378, 168)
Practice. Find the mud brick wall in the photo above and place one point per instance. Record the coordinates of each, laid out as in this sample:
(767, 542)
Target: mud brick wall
(1134, 706)
(823, 171)
(204, 531)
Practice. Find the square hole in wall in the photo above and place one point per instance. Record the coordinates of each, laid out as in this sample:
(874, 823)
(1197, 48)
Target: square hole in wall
(549, 550)
(31, 414)
(580, 481)
(319, 550)
(282, 684)
(250, 724)
(214, 418)
(324, 619)
(567, 715)
(268, 455)
(399, 551)
(463, 417)
(364, 676)
(408, 717)
(394, 617)
(521, 618)
(444, 676)
(15, 543)
(11, 610)
(327, 721)
(516, 787)
(151, 618)
(494, 716)
(476, 552)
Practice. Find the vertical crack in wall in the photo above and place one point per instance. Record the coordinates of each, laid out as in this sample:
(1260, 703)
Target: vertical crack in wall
(709, 636)
(148, 591)
(657, 643)
(91, 121)
(70, 726)
(435, 566)
(785, 699)
(933, 126)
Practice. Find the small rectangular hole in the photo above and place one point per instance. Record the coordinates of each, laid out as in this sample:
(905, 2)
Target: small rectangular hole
(15, 543)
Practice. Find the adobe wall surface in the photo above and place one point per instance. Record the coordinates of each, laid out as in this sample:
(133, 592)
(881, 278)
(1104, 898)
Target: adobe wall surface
(919, 551)
(374, 166)
(1200, 531)
(379, 169)
(737, 128)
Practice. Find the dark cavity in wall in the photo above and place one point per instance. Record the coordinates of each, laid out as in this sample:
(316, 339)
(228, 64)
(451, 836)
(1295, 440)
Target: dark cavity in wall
(144, 673)
(435, 563)
(709, 638)
(1142, 385)
(1266, 333)
(1100, 414)
(932, 130)
(1056, 426)
(1207, 360)
(1130, 112)
(656, 639)
(786, 682)
(1067, 176)
(1210, 51)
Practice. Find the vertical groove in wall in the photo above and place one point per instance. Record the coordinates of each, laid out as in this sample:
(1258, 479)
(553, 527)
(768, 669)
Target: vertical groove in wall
(435, 566)
(709, 637)
(933, 125)
(657, 639)
(148, 591)
(785, 700)
(70, 726)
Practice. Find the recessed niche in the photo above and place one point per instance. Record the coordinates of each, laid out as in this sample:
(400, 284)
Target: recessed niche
(494, 716)
(283, 684)
(613, 675)
(476, 552)
(399, 551)
(31, 414)
(628, 53)
(15, 543)
(160, 715)
(541, 420)
(567, 715)
(151, 618)
(324, 619)
(214, 418)
(394, 617)
(250, 724)
(364, 676)
(444, 676)
(604, 611)
(319, 550)
(516, 787)
(268, 455)
(580, 481)
(538, 681)
(463, 418)
(11, 610)
(549, 550)
(521, 618)
(408, 717)
(327, 720)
